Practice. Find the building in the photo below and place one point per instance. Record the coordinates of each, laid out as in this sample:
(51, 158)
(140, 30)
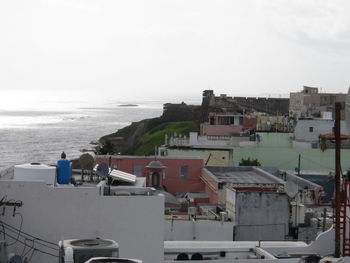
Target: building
(267, 123)
(258, 214)
(306, 191)
(52, 212)
(255, 200)
(217, 179)
(308, 133)
(280, 150)
(43, 212)
(174, 174)
(228, 124)
(310, 103)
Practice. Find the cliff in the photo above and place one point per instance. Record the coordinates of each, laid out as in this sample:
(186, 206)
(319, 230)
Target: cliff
(140, 138)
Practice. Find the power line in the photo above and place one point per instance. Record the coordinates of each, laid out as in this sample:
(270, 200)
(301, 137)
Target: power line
(35, 249)
(285, 162)
(33, 237)
(19, 231)
(310, 160)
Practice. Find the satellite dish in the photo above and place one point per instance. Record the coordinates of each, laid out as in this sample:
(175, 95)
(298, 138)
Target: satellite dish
(102, 170)
(291, 189)
(87, 160)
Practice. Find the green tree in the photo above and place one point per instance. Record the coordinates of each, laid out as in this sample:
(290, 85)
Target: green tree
(106, 148)
(248, 162)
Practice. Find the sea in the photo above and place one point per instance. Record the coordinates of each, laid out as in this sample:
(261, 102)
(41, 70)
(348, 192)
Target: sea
(37, 126)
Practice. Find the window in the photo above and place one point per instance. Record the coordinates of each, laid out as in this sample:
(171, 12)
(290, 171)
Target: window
(311, 129)
(137, 170)
(184, 171)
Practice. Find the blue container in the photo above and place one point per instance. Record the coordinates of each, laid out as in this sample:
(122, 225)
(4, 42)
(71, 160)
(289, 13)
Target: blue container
(63, 171)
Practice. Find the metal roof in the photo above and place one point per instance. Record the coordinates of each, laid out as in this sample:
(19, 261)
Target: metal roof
(123, 176)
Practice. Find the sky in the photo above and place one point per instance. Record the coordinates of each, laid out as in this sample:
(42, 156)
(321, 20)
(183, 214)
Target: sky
(174, 49)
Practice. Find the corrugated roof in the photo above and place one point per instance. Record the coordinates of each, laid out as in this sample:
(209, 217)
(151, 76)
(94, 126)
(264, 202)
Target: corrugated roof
(122, 176)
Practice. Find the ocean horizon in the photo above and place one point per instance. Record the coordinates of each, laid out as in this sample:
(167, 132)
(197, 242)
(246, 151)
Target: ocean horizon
(38, 127)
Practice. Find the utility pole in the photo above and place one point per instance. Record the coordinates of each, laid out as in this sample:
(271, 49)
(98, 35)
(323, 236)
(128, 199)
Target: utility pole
(299, 164)
(337, 252)
(324, 219)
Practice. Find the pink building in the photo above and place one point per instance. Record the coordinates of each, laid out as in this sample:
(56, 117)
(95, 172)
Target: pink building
(177, 175)
(227, 124)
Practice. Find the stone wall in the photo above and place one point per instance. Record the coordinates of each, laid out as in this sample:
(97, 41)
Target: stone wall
(181, 112)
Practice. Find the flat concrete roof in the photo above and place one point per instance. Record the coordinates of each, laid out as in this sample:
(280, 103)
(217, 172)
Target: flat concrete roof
(243, 175)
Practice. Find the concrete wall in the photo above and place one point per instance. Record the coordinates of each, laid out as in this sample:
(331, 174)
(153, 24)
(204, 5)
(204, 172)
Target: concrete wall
(53, 214)
(211, 186)
(261, 216)
(220, 130)
(200, 230)
(276, 149)
(216, 158)
(170, 175)
(302, 129)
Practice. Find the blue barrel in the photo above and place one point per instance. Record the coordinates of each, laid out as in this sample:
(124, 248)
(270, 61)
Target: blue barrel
(63, 171)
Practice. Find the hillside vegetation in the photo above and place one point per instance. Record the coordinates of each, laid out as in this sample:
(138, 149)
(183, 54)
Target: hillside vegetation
(155, 137)
(141, 138)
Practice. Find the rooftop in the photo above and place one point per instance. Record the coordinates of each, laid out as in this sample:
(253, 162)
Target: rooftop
(243, 175)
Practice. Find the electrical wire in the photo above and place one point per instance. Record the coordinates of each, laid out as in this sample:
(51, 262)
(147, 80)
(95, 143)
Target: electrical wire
(3, 199)
(310, 160)
(31, 249)
(31, 256)
(39, 241)
(36, 249)
(29, 235)
(19, 232)
(285, 162)
(24, 247)
(3, 229)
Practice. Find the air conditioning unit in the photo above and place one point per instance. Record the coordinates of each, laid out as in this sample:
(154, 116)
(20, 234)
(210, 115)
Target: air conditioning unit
(81, 250)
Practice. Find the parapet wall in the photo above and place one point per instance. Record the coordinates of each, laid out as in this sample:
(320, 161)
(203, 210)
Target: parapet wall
(278, 106)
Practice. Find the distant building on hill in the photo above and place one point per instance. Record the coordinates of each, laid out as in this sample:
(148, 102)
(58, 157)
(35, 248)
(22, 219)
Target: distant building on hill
(310, 103)
(228, 124)
(272, 106)
(309, 133)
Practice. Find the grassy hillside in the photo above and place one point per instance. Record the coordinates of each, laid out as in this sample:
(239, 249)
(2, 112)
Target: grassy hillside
(155, 137)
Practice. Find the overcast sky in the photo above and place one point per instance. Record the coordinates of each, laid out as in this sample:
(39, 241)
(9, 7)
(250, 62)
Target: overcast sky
(160, 47)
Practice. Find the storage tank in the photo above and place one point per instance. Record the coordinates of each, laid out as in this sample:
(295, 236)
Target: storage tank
(35, 172)
(63, 171)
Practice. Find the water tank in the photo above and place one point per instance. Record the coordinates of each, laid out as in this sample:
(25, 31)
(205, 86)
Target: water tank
(63, 171)
(35, 172)
(85, 249)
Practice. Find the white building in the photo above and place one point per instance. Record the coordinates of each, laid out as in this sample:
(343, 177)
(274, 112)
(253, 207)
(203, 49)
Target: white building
(53, 213)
